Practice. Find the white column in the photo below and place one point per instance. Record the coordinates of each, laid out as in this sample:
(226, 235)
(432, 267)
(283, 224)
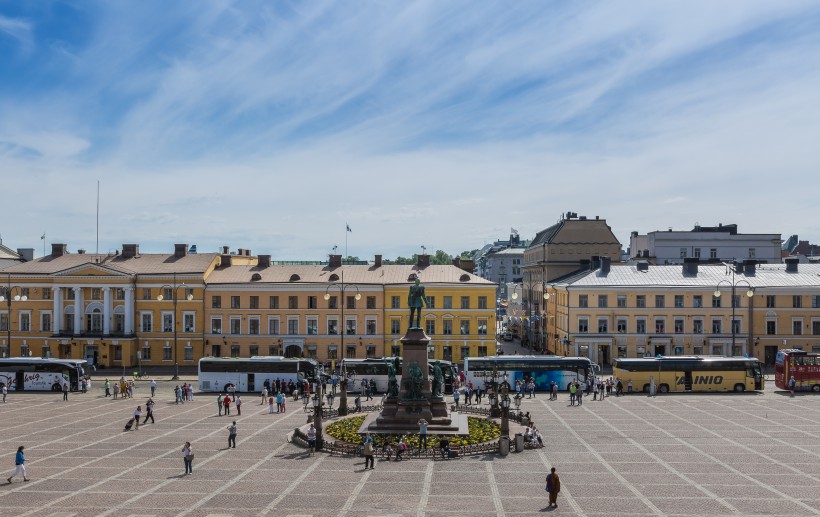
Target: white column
(106, 311)
(78, 310)
(129, 310)
(57, 295)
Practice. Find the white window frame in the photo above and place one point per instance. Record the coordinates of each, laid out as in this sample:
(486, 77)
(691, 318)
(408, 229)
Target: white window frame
(271, 319)
(333, 319)
(367, 321)
(51, 316)
(258, 321)
(150, 315)
(796, 320)
(315, 321)
(292, 319)
(163, 314)
(188, 353)
(230, 325)
(221, 328)
(186, 314)
(355, 322)
(20, 320)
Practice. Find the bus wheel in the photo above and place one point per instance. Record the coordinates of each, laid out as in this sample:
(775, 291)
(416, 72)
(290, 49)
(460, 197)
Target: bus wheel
(740, 388)
(664, 388)
(646, 388)
(816, 388)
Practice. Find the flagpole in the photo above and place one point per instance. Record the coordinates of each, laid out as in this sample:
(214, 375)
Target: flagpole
(98, 219)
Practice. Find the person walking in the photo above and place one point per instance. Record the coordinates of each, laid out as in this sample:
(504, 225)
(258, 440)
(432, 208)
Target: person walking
(368, 451)
(20, 464)
(554, 391)
(553, 487)
(238, 404)
(792, 385)
(107, 388)
(137, 415)
(311, 436)
(153, 388)
(65, 391)
(595, 391)
(232, 435)
(455, 397)
(219, 403)
(149, 411)
(188, 458)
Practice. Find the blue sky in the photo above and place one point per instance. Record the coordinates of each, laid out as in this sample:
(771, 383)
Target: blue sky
(269, 125)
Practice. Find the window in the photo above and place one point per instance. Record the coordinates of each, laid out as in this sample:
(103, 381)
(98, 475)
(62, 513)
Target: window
(640, 301)
(146, 352)
(351, 327)
(465, 352)
(216, 302)
(351, 302)
(660, 326)
(394, 302)
(47, 296)
(447, 353)
(621, 301)
(683, 253)
(371, 302)
(4, 322)
(273, 326)
(333, 302)
(350, 352)
(697, 326)
(736, 301)
(188, 322)
(312, 302)
(234, 350)
(370, 327)
(621, 351)
(189, 291)
(770, 301)
(771, 328)
(447, 328)
(482, 351)
(465, 327)
(45, 322)
(797, 301)
(167, 322)
(146, 293)
(312, 326)
(583, 326)
(293, 302)
(371, 351)
(678, 301)
(273, 302)
(797, 327)
(167, 353)
(118, 352)
(716, 327)
(332, 326)
(603, 326)
(583, 300)
(603, 301)
(697, 301)
(235, 302)
(253, 327)
(736, 326)
(640, 326)
(311, 351)
(465, 302)
(332, 352)
(293, 326)
(660, 300)
(697, 253)
(395, 326)
(715, 302)
(431, 302)
(167, 294)
(752, 253)
(395, 350)
(236, 325)
(620, 326)
(430, 327)
(216, 325)
(713, 253)
(678, 326)
(448, 302)
(25, 322)
(119, 293)
(815, 302)
(189, 353)
(815, 328)
(482, 302)
(146, 321)
(254, 303)
(482, 327)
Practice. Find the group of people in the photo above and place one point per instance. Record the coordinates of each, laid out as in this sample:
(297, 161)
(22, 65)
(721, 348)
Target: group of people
(471, 394)
(183, 393)
(525, 386)
(223, 403)
(121, 389)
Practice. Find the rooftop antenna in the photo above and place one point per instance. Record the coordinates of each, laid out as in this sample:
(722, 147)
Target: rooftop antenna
(98, 219)
(423, 249)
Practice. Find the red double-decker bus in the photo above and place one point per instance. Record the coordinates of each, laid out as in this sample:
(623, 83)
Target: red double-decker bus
(805, 368)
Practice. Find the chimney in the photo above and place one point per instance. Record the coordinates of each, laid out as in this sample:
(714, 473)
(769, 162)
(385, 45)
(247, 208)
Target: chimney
(749, 266)
(26, 254)
(226, 250)
(791, 264)
(643, 266)
(595, 263)
(605, 263)
(225, 260)
(264, 260)
(180, 250)
(584, 264)
(378, 261)
(58, 250)
(247, 252)
(334, 261)
(423, 260)
(690, 266)
(240, 252)
(130, 250)
(81, 251)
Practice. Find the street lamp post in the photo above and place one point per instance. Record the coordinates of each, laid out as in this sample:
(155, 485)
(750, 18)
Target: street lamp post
(342, 330)
(733, 284)
(175, 288)
(505, 410)
(7, 297)
(317, 418)
(491, 379)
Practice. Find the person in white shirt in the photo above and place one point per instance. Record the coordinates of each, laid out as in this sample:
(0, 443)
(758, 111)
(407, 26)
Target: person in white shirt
(153, 387)
(5, 392)
(188, 457)
(137, 415)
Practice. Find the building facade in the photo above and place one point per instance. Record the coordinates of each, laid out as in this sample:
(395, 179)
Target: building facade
(128, 309)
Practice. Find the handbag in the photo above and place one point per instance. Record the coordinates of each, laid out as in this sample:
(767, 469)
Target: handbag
(189, 457)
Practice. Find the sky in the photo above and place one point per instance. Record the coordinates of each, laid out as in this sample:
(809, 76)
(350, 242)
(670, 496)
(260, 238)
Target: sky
(271, 126)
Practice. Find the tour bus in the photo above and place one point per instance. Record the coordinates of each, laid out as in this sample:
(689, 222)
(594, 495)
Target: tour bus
(36, 374)
(376, 369)
(544, 369)
(691, 373)
(805, 368)
(249, 374)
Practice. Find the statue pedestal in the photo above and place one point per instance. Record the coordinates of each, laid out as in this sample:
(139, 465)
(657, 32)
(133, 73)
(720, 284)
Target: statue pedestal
(401, 414)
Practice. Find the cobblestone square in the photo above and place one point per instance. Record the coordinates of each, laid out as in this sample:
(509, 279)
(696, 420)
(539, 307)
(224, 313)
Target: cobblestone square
(676, 455)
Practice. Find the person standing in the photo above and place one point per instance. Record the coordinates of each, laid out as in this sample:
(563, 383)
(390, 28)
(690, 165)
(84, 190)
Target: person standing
(368, 451)
(188, 457)
(270, 404)
(579, 393)
(595, 391)
(456, 397)
(553, 487)
(20, 464)
(572, 390)
(422, 433)
(792, 385)
(137, 415)
(232, 435)
(238, 403)
(149, 411)
(226, 403)
(116, 390)
(65, 391)
(6, 392)
(153, 387)
(554, 391)
(629, 386)
(280, 399)
(107, 388)
(219, 403)
(264, 396)
(311, 436)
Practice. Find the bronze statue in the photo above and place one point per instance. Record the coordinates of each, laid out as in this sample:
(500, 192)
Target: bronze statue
(416, 300)
(438, 380)
(415, 382)
(392, 383)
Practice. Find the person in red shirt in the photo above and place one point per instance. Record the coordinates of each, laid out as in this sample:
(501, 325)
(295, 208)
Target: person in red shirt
(226, 402)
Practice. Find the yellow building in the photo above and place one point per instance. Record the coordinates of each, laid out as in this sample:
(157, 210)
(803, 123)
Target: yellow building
(127, 309)
(639, 310)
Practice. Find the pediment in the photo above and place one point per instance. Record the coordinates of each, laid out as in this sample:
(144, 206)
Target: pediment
(93, 270)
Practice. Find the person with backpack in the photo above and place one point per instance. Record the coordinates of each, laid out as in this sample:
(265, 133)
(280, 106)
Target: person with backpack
(792, 385)
(553, 487)
(400, 449)
(368, 452)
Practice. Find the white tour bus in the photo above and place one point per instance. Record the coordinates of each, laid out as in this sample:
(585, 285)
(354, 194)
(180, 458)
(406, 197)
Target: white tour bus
(544, 369)
(376, 369)
(38, 374)
(249, 374)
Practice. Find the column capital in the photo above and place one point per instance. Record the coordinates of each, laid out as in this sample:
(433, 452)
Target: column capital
(76, 289)
(106, 289)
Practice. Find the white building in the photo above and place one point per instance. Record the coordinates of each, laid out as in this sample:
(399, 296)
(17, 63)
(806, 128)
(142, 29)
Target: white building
(707, 243)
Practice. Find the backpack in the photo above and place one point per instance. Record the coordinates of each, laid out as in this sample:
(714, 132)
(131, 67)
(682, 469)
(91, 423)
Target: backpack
(403, 446)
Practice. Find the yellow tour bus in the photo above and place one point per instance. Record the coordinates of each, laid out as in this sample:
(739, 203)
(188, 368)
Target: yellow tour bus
(691, 373)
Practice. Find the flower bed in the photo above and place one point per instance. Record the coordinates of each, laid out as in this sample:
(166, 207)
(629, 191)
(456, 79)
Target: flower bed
(480, 431)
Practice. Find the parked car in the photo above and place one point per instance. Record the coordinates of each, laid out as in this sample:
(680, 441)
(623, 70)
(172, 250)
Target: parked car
(507, 336)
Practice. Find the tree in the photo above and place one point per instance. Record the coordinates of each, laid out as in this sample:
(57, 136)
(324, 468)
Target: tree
(441, 258)
(468, 254)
